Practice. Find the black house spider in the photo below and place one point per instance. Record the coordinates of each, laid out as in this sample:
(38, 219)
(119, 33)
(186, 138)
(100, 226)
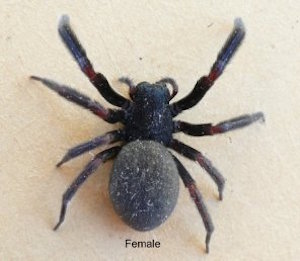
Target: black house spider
(145, 180)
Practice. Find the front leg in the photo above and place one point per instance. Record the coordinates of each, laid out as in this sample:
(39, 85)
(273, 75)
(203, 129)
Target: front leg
(97, 79)
(203, 85)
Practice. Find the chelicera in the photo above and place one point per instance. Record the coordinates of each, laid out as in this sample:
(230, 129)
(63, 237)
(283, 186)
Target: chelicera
(144, 183)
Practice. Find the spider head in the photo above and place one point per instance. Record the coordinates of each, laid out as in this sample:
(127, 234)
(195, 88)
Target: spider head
(157, 93)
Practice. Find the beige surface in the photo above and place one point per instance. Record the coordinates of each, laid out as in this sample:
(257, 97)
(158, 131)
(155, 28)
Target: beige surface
(259, 218)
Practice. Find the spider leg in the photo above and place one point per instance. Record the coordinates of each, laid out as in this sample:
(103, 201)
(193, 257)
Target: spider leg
(197, 198)
(107, 138)
(132, 87)
(97, 79)
(173, 83)
(90, 168)
(205, 163)
(82, 100)
(204, 83)
(221, 127)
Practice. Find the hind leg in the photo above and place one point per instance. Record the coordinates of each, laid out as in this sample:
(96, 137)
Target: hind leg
(205, 163)
(197, 198)
(89, 169)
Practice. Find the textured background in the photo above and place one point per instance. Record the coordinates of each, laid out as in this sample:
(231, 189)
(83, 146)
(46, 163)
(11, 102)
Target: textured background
(259, 218)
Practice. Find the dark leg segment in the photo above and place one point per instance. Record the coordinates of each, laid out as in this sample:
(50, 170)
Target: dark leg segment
(221, 127)
(97, 79)
(108, 138)
(205, 163)
(82, 100)
(172, 82)
(197, 197)
(193, 129)
(203, 85)
(87, 171)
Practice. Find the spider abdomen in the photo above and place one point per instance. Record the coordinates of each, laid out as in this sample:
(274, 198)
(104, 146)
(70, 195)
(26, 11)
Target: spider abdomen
(144, 184)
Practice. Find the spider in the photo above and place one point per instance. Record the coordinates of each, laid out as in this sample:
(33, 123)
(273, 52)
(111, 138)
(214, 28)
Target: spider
(144, 183)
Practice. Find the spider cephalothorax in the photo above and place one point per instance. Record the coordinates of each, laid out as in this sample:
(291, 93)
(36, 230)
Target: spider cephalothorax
(147, 114)
(144, 182)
